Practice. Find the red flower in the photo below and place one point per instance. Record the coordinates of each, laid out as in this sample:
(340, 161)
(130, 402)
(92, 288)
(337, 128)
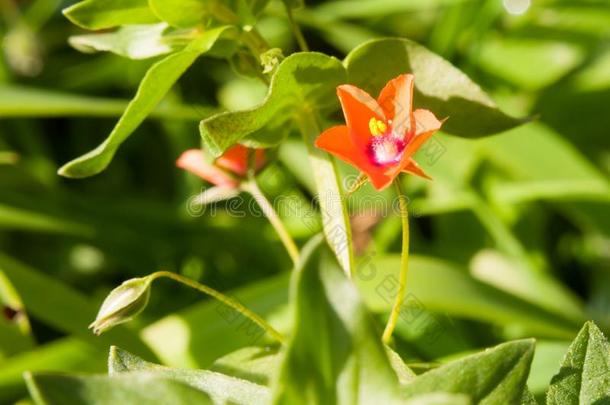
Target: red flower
(381, 135)
(226, 171)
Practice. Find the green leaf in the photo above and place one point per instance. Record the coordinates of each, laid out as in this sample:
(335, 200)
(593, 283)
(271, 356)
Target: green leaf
(100, 14)
(21, 101)
(65, 354)
(584, 377)
(156, 83)
(133, 388)
(256, 364)
(303, 81)
(439, 86)
(439, 398)
(183, 13)
(404, 373)
(221, 388)
(495, 376)
(335, 354)
(131, 41)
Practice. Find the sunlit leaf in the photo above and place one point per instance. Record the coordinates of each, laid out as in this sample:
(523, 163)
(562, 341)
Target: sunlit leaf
(99, 14)
(132, 388)
(584, 377)
(335, 354)
(221, 388)
(132, 41)
(303, 81)
(495, 376)
(157, 82)
(439, 86)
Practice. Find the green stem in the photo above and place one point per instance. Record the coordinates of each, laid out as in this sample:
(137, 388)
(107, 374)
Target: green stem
(296, 30)
(251, 187)
(228, 301)
(404, 265)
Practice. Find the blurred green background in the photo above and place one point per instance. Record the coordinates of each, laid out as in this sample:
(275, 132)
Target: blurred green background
(511, 239)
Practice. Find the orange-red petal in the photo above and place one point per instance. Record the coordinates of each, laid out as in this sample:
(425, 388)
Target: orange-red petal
(396, 100)
(337, 141)
(425, 121)
(358, 108)
(193, 161)
(414, 168)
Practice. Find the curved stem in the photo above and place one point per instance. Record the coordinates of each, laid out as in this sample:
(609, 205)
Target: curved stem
(251, 187)
(228, 301)
(404, 265)
(296, 30)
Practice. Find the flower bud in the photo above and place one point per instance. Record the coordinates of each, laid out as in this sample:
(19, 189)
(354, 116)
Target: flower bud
(122, 304)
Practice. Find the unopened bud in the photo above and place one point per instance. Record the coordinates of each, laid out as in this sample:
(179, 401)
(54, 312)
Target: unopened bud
(122, 304)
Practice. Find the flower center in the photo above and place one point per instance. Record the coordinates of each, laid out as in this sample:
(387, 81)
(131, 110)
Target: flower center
(386, 147)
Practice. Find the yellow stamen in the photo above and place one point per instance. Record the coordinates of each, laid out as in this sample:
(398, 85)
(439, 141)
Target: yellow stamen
(377, 127)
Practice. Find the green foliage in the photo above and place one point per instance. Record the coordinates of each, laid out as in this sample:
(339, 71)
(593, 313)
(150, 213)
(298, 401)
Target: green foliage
(583, 377)
(100, 14)
(132, 41)
(220, 388)
(302, 82)
(334, 355)
(158, 81)
(509, 241)
(497, 375)
(133, 388)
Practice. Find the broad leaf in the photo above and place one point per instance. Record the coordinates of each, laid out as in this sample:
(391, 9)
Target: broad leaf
(439, 86)
(439, 398)
(256, 364)
(133, 388)
(100, 14)
(495, 376)
(334, 355)
(156, 83)
(303, 81)
(221, 388)
(584, 377)
(132, 41)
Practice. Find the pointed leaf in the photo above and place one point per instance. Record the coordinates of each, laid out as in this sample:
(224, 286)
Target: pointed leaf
(495, 376)
(335, 354)
(302, 81)
(156, 83)
(100, 14)
(133, 388)
(584, 377)
(440, 87)
(221, 388)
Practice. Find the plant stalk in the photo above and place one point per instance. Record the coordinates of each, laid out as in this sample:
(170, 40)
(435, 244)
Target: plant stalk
(252, 188)
(228, 301)
(296, 30)
(404, 265)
